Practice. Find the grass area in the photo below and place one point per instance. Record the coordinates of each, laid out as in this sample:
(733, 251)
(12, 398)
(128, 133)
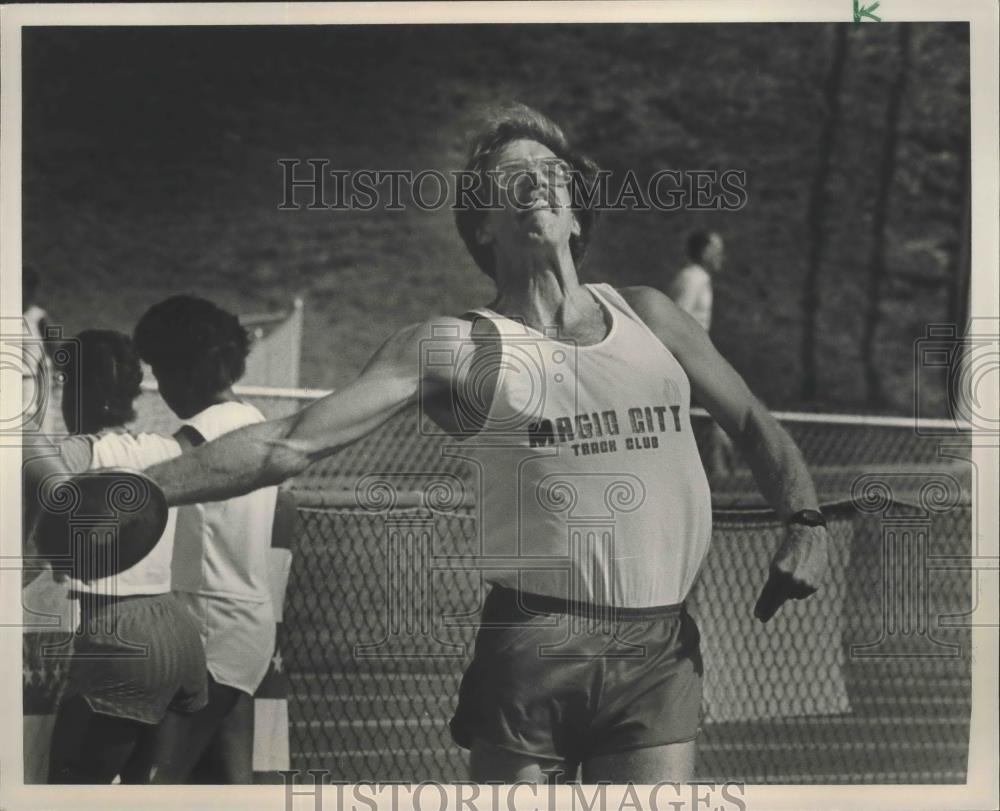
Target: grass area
(153, 170)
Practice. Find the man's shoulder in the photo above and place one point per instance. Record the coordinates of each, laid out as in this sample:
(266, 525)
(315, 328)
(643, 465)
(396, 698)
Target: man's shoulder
(659, 312)
(444, 329)
(645, 300)
(433, 346)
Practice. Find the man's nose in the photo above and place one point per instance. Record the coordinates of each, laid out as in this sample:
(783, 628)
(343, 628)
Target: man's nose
(528, 181)
(533, 176)
(537, 175)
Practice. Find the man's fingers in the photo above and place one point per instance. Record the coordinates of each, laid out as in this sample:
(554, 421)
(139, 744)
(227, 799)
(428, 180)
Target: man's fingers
(780, 586)
(770, 598)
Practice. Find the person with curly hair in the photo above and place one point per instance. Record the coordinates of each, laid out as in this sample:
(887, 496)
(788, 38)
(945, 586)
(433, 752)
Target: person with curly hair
(197, 351)
(137, 653)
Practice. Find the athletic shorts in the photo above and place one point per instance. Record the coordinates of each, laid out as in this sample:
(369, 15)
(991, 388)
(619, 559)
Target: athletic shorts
(562, 681)
(238, 637)
(136, 657)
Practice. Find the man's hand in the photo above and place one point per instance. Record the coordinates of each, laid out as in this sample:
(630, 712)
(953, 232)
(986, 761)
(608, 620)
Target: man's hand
(797, 569)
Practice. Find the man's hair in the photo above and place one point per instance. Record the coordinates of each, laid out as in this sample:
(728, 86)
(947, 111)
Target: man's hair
(194, 337)
(514, 122)
(697, 243)
(106, 372)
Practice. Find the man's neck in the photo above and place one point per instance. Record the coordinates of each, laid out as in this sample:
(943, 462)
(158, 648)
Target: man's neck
(544, 291)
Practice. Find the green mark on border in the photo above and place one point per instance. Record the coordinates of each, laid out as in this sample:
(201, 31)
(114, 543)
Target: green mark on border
(865, 11)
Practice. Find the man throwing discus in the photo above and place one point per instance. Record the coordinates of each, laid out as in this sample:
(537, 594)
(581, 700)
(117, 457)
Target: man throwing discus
(566, 394)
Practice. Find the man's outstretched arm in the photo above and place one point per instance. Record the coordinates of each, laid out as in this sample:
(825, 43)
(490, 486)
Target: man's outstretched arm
(270, 452)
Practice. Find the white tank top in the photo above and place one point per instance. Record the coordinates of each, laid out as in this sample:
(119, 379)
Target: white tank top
(151, 575)
(222, 547)
(591, 474)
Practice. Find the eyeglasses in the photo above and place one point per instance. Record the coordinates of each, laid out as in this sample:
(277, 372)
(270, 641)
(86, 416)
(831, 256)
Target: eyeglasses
(556, 172)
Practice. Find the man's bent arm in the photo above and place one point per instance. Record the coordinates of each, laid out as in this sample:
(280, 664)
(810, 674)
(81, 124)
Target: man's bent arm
(268, 453)
(776, 462)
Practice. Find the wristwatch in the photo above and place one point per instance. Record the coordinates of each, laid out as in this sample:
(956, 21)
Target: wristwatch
(807, 518)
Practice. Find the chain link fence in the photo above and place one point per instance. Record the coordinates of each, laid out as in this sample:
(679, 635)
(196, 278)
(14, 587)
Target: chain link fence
(867, 681)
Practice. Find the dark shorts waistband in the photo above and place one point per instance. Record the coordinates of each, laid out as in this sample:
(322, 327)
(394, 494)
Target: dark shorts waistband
(511, 600)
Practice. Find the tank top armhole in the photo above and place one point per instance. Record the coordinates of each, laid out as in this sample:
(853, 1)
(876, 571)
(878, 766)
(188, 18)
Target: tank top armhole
(495, 322)
(613, 297)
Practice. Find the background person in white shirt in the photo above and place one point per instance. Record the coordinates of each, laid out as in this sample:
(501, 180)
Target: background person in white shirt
(691, 288)
(137, 651)
(220, 569)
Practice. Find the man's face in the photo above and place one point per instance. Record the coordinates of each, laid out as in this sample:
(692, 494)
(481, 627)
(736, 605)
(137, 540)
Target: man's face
(714, 254)
(532, 185)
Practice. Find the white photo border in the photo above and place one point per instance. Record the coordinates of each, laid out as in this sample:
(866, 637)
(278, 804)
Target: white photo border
(980, 791)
